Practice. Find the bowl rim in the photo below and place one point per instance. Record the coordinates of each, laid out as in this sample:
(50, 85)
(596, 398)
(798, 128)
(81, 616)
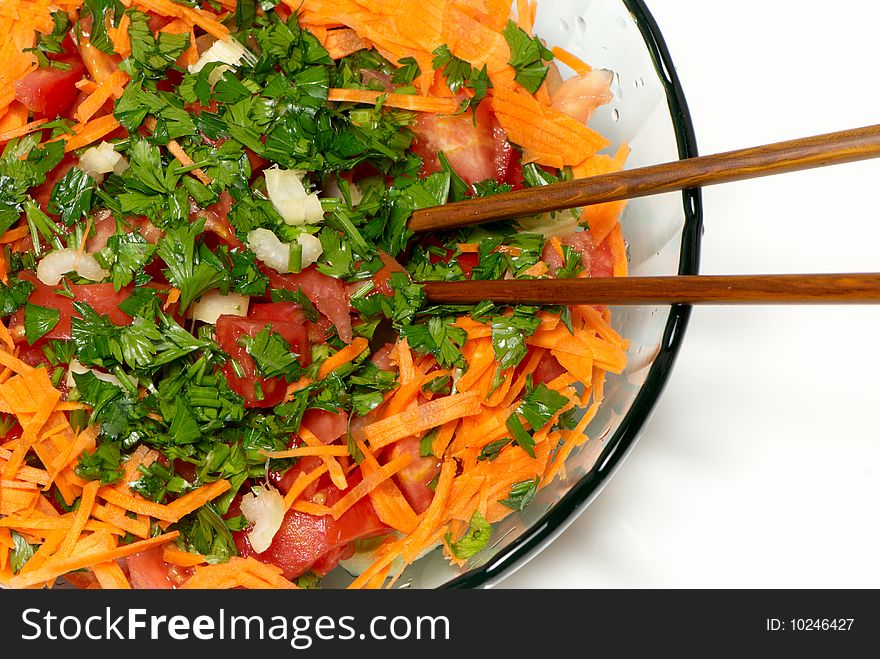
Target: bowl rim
(552, 523)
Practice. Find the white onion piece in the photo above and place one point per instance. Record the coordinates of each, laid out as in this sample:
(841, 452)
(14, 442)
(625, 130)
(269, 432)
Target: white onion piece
(213, 305)
(276, 254)
(269, 249)
(264, 508)
(58, 263)
(311, 248)
(231, 53)
(290, 197)
(559, 224)
(79, 369)
(102, 159)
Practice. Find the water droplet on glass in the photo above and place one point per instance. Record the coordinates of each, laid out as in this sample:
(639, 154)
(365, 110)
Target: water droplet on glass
(582, 23)
(615, 114)
(564, 26)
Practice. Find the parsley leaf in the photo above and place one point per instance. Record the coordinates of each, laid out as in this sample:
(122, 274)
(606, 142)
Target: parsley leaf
(273, 355)
(538, 407)
(409, 70)
(39, 321)
(460, 73)
(125, 255)
(21, 552)
(72, 196)
(509, 335)
(154, 54)
(440, 337)
(101, 12)
(521, 494)
(474, 541)
(13, 296)
(193, 271)
(103, 465)
(528, 55)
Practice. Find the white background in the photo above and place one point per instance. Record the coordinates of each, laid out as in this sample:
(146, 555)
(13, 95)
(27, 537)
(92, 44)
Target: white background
(760, 465)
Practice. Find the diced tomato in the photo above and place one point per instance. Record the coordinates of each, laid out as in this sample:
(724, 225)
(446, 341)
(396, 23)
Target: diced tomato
(286, 312)
(216, 218)
(413, 479)
(548, 369)
(158, 21)
(326, 426)
(147, 570)
(308, 542)
(102, 298)
(597, 261)
(327, 294)
(230, 329)
(50, 91)
(477, 148)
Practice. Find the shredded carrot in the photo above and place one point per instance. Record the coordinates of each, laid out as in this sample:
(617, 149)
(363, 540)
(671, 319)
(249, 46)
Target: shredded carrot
(337, 475)
(571, 60)
(174, 556)
(421, 418)
(303, 451)
(445, 105)
(23, 130)
(55, 568)
(14, 234)
(110, 576)
(348, 354)
(368, 484)
(173, 298)
(181, 156)
(197, 498)
(104, 91)
(390, 504)
(119, 36)
(301, 483)
(87, 133)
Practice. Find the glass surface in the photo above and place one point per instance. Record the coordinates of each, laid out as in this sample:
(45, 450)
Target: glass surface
(663, 232)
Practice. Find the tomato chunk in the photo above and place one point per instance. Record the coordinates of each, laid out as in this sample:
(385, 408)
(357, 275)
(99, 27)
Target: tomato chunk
(329, 296)
(246, 381)
(49, 91)
(101, 297)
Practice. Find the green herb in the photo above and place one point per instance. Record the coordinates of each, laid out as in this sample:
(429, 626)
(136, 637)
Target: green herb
(13, 296)
(528, 57)
(193, 271)
(103, 465)
(154, 54)
(492, 450)
(39, 321)
(102, 12)
(125, 255)
(537, 408)
(509, 334)
(459, 73)
(439, 337)
(409, 70)
(521, 494)
(273, 356)
(474, 541)
(21, 552)
(51, 43)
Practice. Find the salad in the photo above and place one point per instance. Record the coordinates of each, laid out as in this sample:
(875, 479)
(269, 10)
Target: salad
(218, 366)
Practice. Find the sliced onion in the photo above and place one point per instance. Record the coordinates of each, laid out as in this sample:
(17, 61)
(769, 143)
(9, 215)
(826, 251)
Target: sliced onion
(269, 249)
(213, 305)
(276, 254)
(559, 224)
(311, 248)
(79, 369)
(226, 52)
(58, 263)
(264, 508)
(102, 159)
(290, 197)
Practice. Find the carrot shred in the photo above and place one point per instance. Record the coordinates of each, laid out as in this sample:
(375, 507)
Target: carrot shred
(342, 43)
(303, 451)
(120, 38)
(137, 504)
(106, 89)
(55, 568)
(348, 354)
(421, 418)
(23, 130)
(87, 133)
(302, 481)
(336, 473)
(571, 60)
(434, 105)
(368, 484)
(14, 234)
(110, 576)
(86, 502)
(197, 498)
(181, 156)
(388, 501)
(171, 554)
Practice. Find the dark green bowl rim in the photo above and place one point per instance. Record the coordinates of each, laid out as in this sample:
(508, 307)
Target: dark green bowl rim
(557, 519)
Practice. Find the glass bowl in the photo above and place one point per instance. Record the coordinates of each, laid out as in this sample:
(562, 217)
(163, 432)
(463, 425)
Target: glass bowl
(663, 232)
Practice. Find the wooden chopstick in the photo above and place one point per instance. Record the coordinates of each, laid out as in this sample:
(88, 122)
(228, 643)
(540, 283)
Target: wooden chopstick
(818, 151)
(859, 288)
